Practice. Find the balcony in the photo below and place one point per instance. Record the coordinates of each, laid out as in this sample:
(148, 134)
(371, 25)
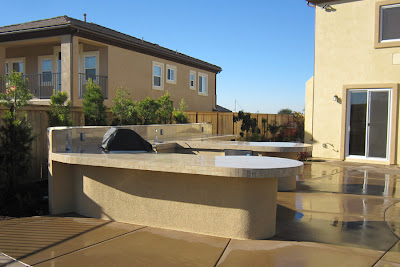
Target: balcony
(98, 79)
(42, 86)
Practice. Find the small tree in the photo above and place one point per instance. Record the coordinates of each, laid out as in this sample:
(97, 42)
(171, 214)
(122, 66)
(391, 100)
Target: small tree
(15, 133)
(285, 111)
(179, 114)
(124, 109)
(147, 110)
(273, 128)
(93, 105)
(165, 109)
(299, 119)
(60, 113)
(248, 125)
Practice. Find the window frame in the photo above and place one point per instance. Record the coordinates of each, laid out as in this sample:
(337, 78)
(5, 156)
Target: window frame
(40, 68)
(379, 43)
(156, 87)
(194, 80)
(170, 67)
(200, 74)
(15, 60)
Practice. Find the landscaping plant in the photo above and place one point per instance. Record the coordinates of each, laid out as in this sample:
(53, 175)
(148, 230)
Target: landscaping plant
(148, 110)
(179, 114)
(60, 112)
(165, 109)
(249, 126)
(15, 134)
(93, 105)
(274, 128)
(124, 109)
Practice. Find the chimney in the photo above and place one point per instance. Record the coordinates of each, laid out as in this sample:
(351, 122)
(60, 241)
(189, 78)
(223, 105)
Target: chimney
(84, 17)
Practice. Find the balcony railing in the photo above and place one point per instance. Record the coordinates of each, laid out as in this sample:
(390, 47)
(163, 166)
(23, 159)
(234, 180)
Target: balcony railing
(41, 86)
(98, 79)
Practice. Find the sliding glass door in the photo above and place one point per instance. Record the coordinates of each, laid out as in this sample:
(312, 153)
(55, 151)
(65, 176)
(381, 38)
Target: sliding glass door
(368, 123)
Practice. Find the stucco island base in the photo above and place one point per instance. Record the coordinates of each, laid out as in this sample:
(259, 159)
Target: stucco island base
(125, 188)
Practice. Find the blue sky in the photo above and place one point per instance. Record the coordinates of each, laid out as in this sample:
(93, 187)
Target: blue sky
(265, 48)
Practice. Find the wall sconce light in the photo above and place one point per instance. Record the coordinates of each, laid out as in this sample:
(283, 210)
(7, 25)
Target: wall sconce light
(328, 8)
(335, 98)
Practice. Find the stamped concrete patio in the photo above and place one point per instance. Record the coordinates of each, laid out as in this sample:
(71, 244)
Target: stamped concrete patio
(342, 214)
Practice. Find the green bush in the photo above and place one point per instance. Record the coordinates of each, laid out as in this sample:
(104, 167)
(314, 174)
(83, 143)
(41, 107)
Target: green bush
(179, 114)
(15, 134)
(249, 128)
(124, 109)
(165, 109)
(93, 105)
(148, 110)
(60, 113)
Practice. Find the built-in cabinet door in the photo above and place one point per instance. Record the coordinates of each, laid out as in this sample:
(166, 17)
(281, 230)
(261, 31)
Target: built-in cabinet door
(368, 123)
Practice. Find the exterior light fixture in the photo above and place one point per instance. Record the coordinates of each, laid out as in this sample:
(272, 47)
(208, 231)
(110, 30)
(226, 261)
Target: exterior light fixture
(328, 8)
(335, 98)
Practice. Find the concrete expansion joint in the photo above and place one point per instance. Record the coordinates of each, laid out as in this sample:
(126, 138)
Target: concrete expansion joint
(93, 245)
(387, 223)
(222, 253)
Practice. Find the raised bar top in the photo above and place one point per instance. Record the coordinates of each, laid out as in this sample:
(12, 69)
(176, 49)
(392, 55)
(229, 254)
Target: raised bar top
(241, 145)
(227, 166)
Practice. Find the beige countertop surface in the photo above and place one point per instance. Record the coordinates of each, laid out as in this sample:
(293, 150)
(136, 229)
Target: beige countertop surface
(226, 166)
(241, 145)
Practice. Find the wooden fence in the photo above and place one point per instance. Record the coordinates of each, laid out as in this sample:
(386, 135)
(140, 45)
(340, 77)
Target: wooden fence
(222, 123)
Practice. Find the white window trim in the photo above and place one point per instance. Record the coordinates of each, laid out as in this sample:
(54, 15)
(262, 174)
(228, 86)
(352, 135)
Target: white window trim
(198, 84)
(89, 54)
(40, 70)
(381, 22)
(170, 67)
(17, 59)
(155, 63)
(194, 80)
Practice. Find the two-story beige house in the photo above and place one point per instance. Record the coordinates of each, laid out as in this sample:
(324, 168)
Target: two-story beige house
(62, 53)
(352, 99)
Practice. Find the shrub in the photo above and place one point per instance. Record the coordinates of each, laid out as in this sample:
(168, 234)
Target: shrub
(93, 105)
(147, 110)
(274, 128)
(60, 113)
(15, 134)
(299, 119)
(179, 114)
(165, 109)
(124, 109)
(249, 125)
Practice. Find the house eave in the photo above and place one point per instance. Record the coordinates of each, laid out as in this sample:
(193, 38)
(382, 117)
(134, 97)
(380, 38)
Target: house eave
(138, 46)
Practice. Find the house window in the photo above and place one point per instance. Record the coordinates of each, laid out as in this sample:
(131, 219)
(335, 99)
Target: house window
(390, 23)
(90, 67)
(15, 64)
(171, 74)
(45, 66)
(192, 80)
(158, 83)
(202, 84)
(6, 68)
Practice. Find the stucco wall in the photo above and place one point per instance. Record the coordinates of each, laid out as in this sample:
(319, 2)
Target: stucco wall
(134, 70)
(344, 54)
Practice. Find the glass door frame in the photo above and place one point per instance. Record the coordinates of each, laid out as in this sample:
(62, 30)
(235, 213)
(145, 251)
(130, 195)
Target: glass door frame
(367, 132)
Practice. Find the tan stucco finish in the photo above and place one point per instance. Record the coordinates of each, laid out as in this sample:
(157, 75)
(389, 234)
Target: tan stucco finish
(345, 55)
(219, 206)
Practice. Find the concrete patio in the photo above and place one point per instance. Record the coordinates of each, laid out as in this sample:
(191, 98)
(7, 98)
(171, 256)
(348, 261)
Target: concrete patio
(342, 214)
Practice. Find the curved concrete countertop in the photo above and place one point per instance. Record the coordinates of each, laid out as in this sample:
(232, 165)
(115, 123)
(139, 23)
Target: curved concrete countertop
(227, 166)
(227, 196)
